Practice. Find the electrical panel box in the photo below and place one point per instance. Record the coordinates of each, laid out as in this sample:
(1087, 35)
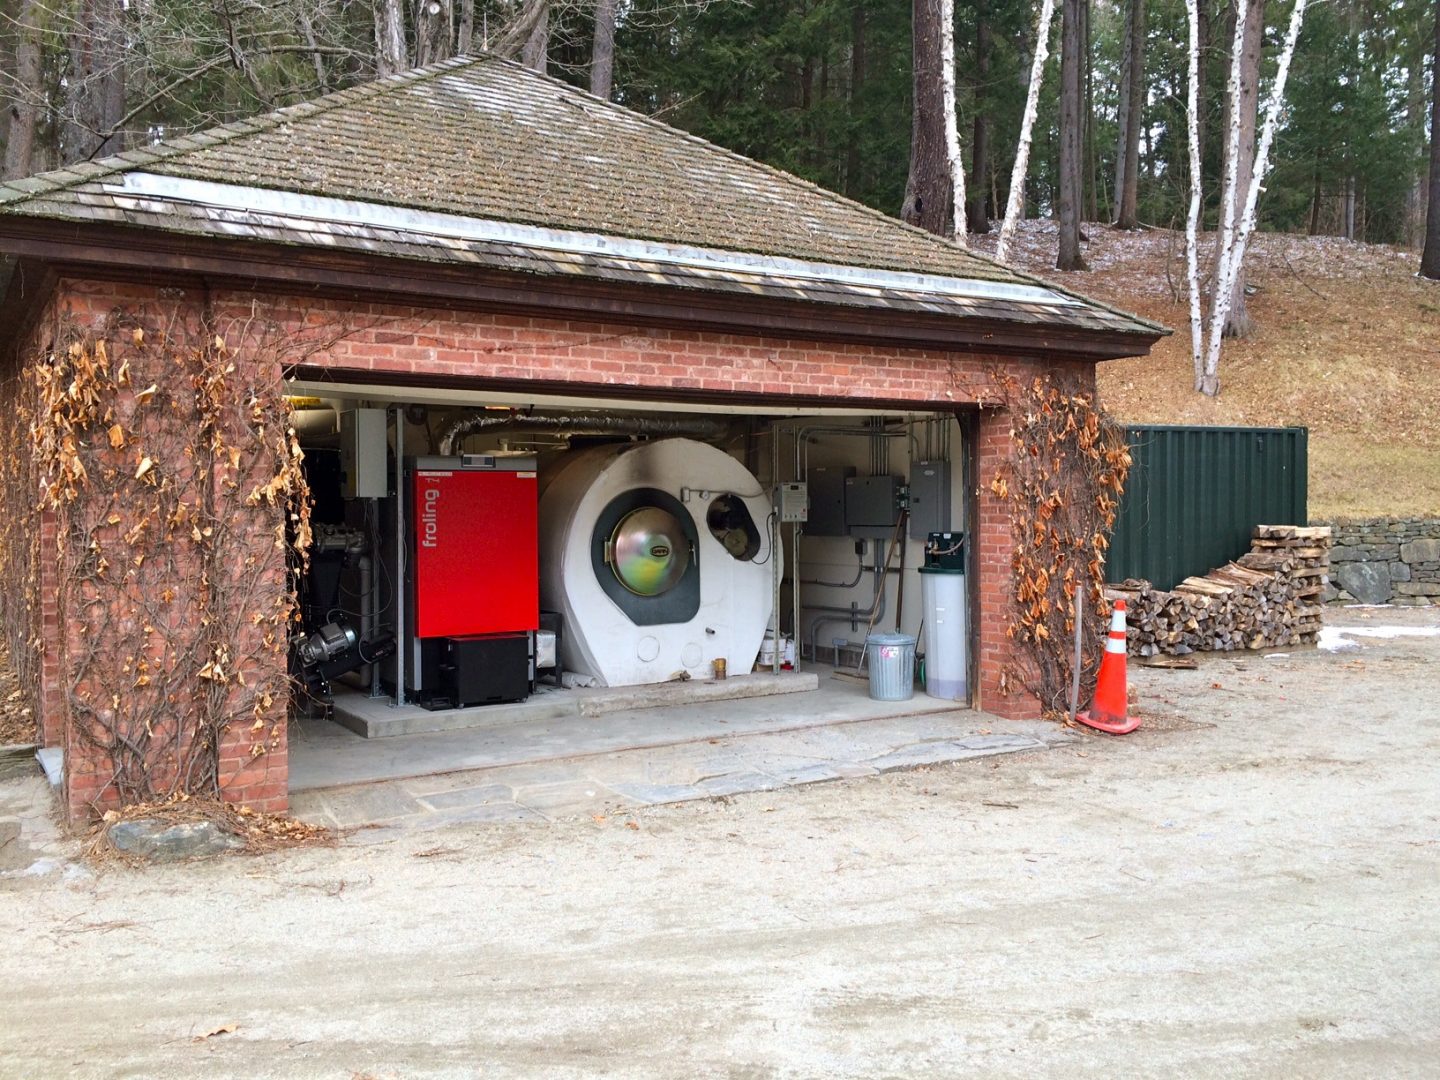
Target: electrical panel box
(363, 450)
(792, 503)
(827, 500)
(929, 498)
(873, 505)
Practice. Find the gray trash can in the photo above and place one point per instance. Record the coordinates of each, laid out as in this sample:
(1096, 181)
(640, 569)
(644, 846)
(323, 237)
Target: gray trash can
(892, 666)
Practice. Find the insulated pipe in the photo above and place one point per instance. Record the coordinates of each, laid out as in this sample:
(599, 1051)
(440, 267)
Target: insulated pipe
(582, 425)
(366, 566)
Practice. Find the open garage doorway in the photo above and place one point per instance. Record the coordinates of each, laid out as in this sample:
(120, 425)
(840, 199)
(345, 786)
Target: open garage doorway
(621, 574)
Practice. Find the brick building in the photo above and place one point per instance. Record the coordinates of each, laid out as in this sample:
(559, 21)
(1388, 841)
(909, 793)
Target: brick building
(473, 237)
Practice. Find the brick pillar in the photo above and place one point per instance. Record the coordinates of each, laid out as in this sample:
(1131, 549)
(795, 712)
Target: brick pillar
(994, 548)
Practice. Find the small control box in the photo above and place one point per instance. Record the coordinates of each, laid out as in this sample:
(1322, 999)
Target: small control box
(792, 503)
(363, 447)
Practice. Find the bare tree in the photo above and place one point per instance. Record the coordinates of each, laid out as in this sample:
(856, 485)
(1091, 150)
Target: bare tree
(535, 54)
(1072, 68)
(1430, 260)
(928, 187)
(95, 83)
(26, 103)
(1015, 203)
(1238, 221)
(1132, 116)
(391, 54)
(434, 31)
(977, 219)
(954, 161)
(602, 49)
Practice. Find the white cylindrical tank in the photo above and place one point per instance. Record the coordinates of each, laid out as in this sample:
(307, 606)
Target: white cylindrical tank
(658, 556)
(945, 665)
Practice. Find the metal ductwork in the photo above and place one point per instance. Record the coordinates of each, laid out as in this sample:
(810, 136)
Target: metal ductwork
(662, 427)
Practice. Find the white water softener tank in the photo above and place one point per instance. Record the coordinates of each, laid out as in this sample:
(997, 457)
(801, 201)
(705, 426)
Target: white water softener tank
(659, 557)
(942, 581)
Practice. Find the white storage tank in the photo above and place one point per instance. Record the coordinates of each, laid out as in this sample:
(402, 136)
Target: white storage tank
(946, 670)
(658, 556)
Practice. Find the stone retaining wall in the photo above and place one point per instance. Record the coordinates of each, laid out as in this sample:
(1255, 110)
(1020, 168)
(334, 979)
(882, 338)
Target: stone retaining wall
(1385, 561)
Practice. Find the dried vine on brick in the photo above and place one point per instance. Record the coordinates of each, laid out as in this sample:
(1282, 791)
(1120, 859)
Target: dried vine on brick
(1062, 486)
(175, 478)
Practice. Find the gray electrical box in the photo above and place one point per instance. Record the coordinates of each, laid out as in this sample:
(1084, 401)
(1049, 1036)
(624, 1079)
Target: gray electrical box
(872, 505)
(791, 503)
(827, 500)
(929, 498)
(363, 449)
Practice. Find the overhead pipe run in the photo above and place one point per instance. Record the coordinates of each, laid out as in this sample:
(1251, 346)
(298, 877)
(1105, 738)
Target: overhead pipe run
(664, 427)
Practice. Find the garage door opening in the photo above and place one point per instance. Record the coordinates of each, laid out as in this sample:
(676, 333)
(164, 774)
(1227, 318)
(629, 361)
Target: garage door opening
(559, 577)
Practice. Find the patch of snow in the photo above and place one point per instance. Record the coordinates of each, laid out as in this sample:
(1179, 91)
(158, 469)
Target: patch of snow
(1335, 638)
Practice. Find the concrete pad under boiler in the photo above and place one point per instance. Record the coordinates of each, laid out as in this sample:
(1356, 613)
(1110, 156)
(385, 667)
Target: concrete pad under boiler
(378, 718)
(326, 755)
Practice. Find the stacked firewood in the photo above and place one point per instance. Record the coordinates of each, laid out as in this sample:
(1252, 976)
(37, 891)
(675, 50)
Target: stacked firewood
(1269, 597)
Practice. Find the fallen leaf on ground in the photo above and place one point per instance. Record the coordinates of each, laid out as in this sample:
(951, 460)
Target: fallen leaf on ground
(223, 1029)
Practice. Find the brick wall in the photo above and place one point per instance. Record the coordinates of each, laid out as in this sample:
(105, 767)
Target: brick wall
(98, 626)
(353, 340)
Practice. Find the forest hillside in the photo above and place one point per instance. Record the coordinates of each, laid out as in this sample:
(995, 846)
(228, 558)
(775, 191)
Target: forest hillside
(1347, 343)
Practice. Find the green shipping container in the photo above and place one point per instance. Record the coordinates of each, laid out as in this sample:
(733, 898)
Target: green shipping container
(1196, 493)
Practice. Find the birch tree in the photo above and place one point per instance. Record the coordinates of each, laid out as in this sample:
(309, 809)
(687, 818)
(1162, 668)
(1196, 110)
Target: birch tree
(1238, 220)
(952, 129)
(1015, 204)
(1251, 41)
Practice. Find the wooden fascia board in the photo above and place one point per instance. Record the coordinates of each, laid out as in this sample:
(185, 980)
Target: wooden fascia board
(137, 254)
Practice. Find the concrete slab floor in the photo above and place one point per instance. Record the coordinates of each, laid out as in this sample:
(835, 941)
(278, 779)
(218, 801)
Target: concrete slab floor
(324, 754)
(627, 780)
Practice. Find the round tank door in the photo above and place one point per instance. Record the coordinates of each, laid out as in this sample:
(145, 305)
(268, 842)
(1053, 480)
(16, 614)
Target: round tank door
(643, 551)
(649, 551)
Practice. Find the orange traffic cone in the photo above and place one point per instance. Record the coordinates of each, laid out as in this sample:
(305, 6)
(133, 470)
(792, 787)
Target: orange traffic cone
(1108, 711)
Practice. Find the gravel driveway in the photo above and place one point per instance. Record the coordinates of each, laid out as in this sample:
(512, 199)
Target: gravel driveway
(1246, 887)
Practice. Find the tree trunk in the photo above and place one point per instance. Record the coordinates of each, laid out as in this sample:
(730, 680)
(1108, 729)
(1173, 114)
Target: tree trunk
(1127, 150)
(95, 83)
(1238, 323)
(927, 190)
(391, 54)
(26, 100)
(857, 88)
(954, 162)
(535, 54)
(1090, 186)
(1072, 66)
(1430, 259)
(977, 212)
(465, 32)
(434, 31)
(602, 50)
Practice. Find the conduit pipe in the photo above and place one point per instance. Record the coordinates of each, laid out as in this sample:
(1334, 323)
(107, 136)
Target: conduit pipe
(695, 428)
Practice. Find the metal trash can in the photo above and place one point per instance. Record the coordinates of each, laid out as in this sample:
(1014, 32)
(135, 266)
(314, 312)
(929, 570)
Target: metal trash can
(892, 666)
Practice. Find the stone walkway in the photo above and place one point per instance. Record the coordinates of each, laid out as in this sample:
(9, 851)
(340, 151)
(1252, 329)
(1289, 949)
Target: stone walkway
(709, 768)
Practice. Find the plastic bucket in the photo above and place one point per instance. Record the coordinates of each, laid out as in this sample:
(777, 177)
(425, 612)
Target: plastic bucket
(892, 666)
